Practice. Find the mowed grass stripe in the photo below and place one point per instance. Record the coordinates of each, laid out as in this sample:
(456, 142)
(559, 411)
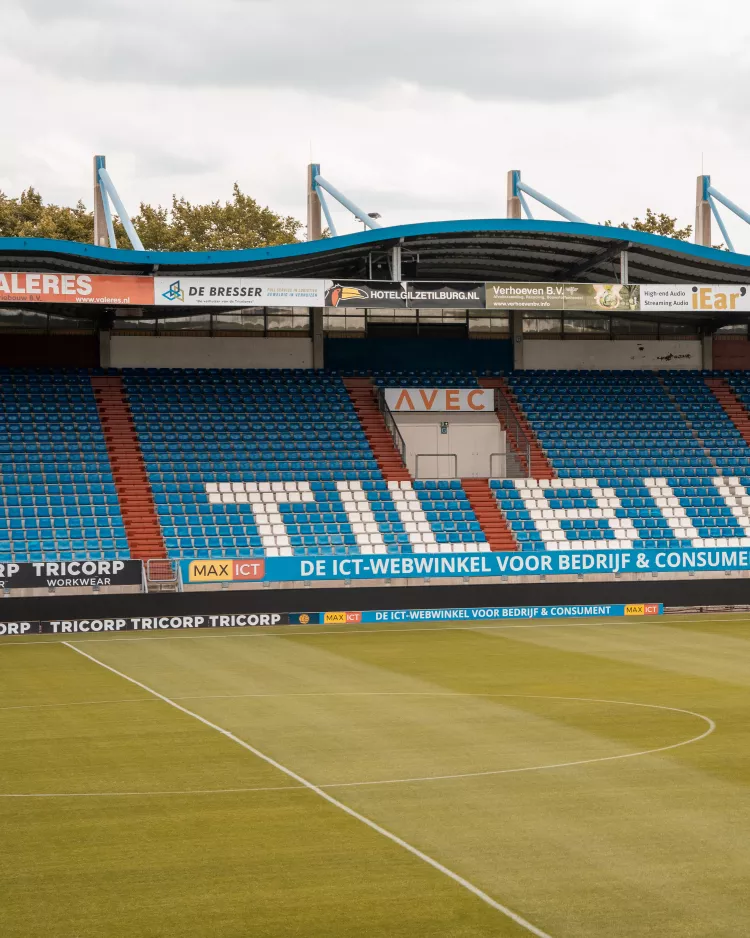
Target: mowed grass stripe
(275, 863)
(657, 845)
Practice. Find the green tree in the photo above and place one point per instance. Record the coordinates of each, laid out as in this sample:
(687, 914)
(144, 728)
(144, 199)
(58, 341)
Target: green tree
(657, 223)
(28, 217)
(239, 223)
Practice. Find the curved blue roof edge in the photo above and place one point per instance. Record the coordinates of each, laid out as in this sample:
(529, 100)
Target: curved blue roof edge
(529, 226)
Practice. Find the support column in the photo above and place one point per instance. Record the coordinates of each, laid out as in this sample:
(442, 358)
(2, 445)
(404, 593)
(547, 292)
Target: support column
(708, 352)
(624, 267)
(516, 337)
(513, 202)
(314, 229)
(702, 212)
(105, 348)
(396, 262)
(101, 238)
(316, 321)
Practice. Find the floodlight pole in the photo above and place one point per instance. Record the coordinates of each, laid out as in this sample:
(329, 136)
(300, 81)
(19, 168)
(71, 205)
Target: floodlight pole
(314, 230)
(703, 211)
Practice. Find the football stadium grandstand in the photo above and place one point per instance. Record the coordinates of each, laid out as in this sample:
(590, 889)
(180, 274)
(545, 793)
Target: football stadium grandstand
(149, 414)
(449, 429)
(211, 462)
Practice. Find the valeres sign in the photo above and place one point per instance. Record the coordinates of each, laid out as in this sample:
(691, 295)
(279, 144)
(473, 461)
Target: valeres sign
(439, 400)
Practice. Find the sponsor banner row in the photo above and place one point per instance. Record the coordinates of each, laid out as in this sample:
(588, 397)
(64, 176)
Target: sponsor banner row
(507, 563)
(147, 623)
(476, 614)
(82, 573)
(258, 619)
(240, 292)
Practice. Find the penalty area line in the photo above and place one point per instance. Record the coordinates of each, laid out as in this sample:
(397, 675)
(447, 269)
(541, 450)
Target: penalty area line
(363, 819)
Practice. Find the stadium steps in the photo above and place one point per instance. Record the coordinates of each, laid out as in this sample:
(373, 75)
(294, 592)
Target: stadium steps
(541, 467)
(362, 395)
(129, 471)
(732, 405)
(688, 423)
(489, 514)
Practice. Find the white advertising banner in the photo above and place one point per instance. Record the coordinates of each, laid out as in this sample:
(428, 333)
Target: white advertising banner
(696, 297)
(439, 400)
(237, 291)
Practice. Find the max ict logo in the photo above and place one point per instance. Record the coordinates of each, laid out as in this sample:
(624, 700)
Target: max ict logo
(174, 292)
(217, 571)
(642, 609)
(342, 618)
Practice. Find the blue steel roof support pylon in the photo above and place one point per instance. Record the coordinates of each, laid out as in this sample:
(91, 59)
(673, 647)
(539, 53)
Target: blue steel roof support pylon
(705, 207)
(104, 191)
(516, 200)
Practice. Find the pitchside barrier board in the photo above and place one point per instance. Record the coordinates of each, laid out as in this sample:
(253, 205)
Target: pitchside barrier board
(120, 290)
(82, 573)
(244, 620)
(507, 563)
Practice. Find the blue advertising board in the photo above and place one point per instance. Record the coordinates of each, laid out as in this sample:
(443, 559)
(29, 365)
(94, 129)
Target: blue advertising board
(420, 566)
(484, 613)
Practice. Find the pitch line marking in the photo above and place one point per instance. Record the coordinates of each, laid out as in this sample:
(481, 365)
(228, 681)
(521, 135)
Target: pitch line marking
(400, 781)
(76, 703)
(145, 794)
(532, 768)
(363, 819)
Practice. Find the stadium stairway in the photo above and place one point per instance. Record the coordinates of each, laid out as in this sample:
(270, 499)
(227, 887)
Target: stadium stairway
(541, 467)
(732, 405)
(489, 514)
(134, 491)
(362, 395)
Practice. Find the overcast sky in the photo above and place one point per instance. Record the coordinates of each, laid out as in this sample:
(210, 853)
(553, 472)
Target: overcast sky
(414, 108)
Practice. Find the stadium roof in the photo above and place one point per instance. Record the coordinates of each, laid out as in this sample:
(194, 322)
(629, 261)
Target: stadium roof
(474, 250)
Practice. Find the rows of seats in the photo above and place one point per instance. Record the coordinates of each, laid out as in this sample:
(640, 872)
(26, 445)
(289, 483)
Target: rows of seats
(621, 424)
(57, 494)
(648, 513)
(708, 420)
(276, 463)
(431, 378)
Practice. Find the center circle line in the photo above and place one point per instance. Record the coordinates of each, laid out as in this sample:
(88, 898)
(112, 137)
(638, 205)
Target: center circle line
(711, 727)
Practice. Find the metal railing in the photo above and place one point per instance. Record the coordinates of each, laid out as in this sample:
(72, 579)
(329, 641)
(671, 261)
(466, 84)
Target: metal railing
(437, 474)
(391, 424)
(513, 429)
(163, 576)
(502, 464)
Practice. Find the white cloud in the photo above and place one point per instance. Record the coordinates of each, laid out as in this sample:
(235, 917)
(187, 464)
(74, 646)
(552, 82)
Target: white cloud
(414, 109)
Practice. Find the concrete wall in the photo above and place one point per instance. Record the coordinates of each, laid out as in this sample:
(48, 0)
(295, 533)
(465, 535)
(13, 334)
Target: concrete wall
(603, 354)
(731, 354)
(137, 351)
(472, 437)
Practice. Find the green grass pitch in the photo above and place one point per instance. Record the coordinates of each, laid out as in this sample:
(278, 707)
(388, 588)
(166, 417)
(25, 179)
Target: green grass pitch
(585, 779)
